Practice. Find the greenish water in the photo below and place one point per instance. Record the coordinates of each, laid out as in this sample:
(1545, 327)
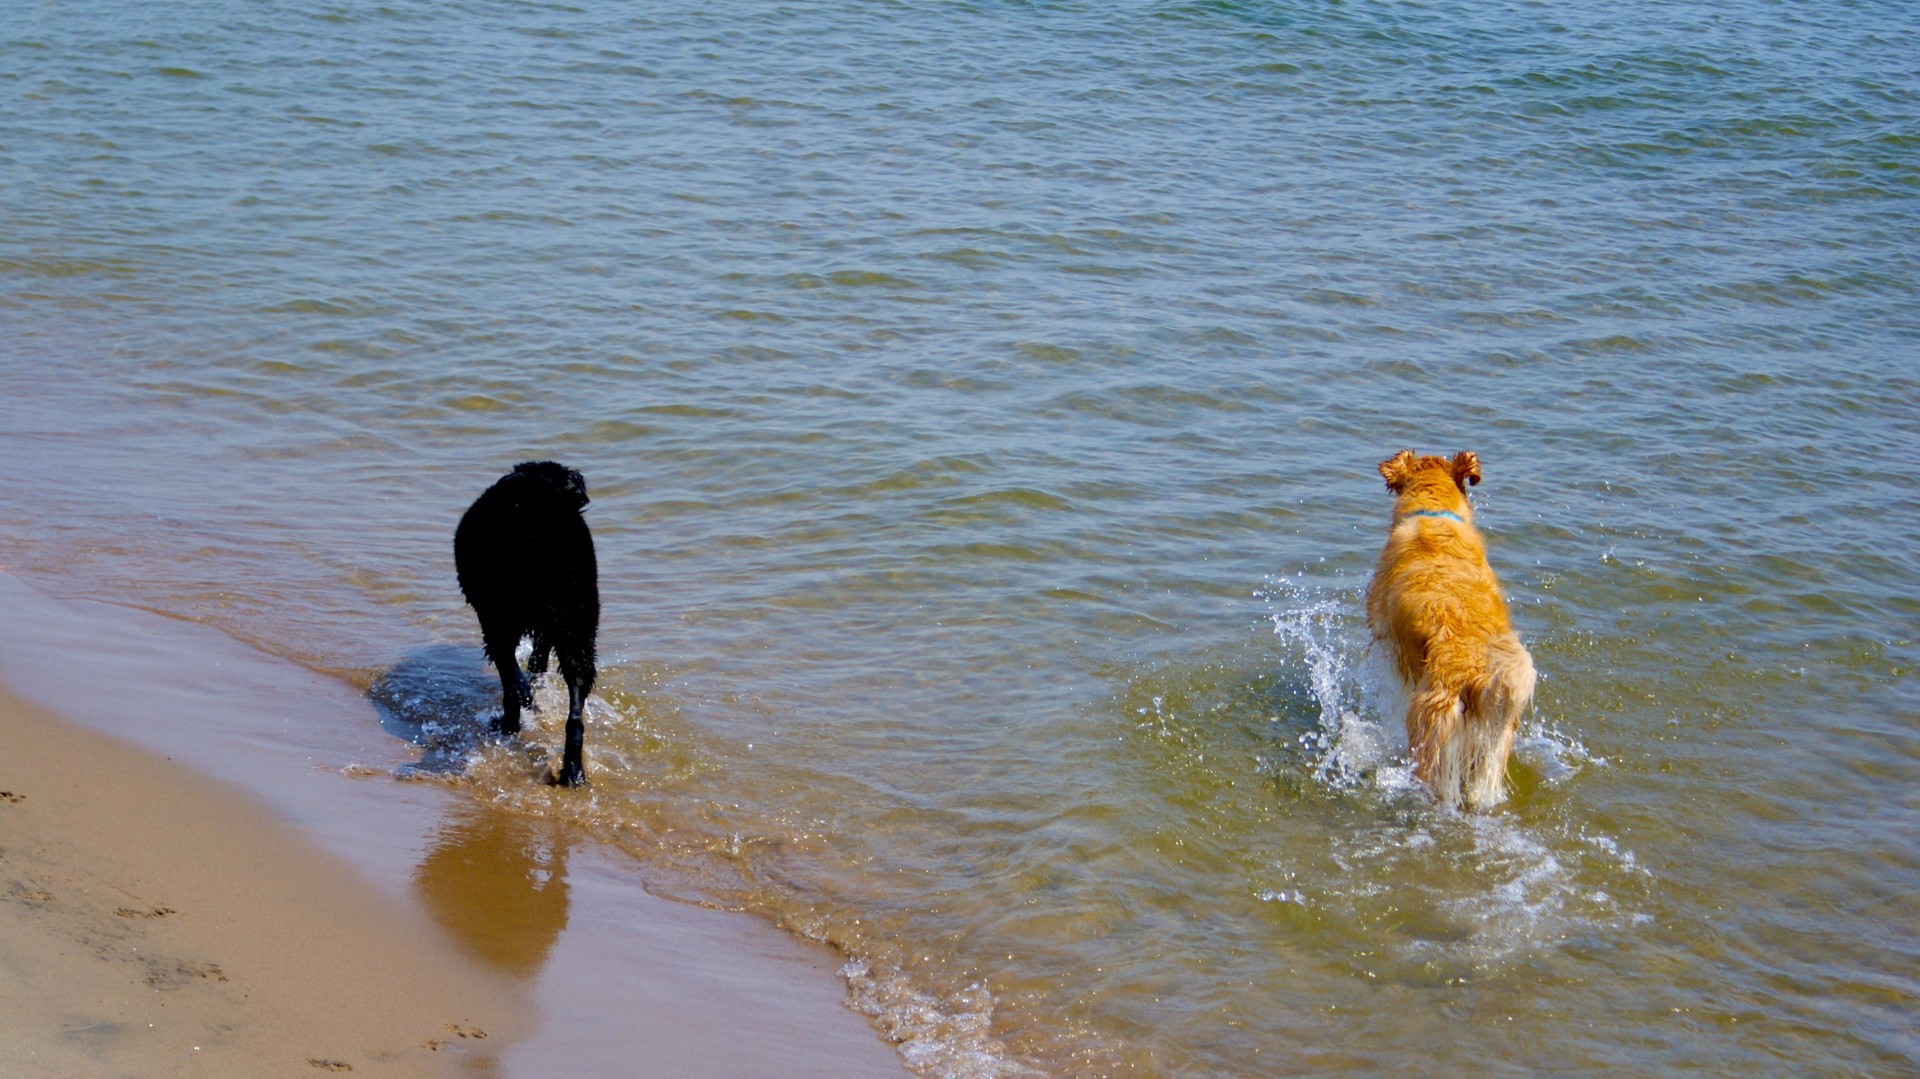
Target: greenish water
(980, 405)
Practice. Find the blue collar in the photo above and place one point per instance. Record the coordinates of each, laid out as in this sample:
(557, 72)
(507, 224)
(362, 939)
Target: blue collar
(1448, 514)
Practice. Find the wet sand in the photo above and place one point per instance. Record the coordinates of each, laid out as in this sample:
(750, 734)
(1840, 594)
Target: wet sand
(245, 890)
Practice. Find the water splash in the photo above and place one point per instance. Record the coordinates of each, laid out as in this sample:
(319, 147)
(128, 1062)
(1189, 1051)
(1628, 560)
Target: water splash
(1360, 739)
(1352, 745)
(1446, 893)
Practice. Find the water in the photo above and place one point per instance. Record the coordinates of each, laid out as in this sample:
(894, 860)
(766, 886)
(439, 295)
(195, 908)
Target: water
(980, 405)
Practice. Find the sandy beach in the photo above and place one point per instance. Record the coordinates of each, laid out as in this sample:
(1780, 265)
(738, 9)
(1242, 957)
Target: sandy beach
(153, 923)
(182, 892)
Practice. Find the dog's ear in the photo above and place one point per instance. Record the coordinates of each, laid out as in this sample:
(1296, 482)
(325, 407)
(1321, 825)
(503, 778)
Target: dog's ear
(1466, 469)
(1396, 469)
(577, 487)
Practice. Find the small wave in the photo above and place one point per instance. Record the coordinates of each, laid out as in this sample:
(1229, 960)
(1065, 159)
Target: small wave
(948, 1039)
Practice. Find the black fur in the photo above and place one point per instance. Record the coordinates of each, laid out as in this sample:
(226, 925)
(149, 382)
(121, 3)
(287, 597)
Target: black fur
(525, 560)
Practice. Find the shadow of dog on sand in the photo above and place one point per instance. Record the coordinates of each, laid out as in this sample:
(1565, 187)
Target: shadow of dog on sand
(443, 699)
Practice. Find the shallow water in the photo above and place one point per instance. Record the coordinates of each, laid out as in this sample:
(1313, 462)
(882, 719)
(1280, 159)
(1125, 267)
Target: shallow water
(980, 405)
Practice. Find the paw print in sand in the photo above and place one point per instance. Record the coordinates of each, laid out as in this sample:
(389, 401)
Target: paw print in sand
(457, 1031)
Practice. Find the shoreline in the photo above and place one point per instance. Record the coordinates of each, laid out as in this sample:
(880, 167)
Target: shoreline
(118, 719)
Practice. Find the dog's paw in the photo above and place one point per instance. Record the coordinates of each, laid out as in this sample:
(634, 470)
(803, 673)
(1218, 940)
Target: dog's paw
(572, 775)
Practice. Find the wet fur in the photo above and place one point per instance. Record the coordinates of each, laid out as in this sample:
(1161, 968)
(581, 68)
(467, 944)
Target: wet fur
(1436, 608)
(525, 560)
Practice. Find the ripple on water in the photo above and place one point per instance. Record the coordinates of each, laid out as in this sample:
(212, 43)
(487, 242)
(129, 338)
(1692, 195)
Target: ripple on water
(943, 373)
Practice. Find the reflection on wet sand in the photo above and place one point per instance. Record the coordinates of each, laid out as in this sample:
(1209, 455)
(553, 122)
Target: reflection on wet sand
(498, 883)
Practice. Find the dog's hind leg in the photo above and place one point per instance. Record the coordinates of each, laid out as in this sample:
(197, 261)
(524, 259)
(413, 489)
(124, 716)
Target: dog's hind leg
(576, 665)
(515, 691)
(1508, 691)
(1434, 736)
(537, 663)
(1488, 740)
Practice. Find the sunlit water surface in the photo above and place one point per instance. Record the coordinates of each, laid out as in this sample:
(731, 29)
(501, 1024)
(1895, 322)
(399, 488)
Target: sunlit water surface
(980, 405)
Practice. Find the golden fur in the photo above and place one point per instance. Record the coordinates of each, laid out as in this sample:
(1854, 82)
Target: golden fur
(1436, 607)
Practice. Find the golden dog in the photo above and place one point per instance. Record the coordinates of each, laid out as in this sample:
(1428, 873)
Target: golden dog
(1436, 606)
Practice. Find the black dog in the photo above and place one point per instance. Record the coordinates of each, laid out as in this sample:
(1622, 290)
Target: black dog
(525, 561)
